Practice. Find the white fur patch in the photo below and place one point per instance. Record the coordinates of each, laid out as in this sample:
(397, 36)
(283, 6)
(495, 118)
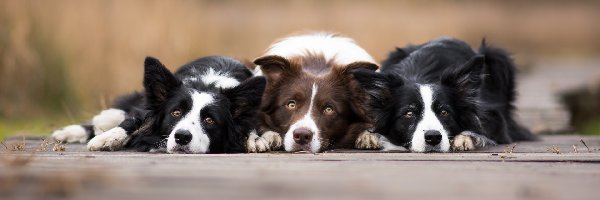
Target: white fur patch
(71, 134)
(192, 123)
(306, 122)
(220, 79)
(429, 121)
(111, 140)
(341, 50)
(387, 145)
(107, 119)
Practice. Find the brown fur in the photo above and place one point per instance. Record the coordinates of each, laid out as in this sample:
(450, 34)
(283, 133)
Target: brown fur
(293, 78)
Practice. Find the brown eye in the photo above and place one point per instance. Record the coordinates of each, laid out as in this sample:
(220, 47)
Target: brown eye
(291, 105)
(328, 111)
(444, 113)
(409, 114)
(209, 120)
(176, 113)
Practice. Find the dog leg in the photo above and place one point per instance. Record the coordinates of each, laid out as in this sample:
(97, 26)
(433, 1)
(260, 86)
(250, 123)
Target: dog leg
(368, 140)
(72, 134)
(111, 140)
(108, 119)
(467, 140)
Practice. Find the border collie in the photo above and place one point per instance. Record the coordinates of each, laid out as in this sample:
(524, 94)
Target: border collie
(311, 102)
(442, 96)
(207, 106)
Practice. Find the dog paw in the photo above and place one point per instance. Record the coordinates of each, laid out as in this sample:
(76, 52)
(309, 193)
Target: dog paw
(107, 119)
(268, 141)
(256, 144)
(463, 143)
(111, 140)
(368, 140)
(273, 139)
(71, 134)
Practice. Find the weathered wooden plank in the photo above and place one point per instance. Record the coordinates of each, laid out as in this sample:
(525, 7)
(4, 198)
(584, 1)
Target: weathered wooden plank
(530, 172)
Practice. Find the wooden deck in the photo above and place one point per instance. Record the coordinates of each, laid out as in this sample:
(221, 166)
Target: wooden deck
(546, 169)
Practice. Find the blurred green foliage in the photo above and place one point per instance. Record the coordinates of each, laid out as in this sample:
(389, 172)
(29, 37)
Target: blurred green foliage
(591, 127)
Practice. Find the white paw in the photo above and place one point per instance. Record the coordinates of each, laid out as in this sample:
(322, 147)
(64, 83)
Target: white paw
(368, 140)
(256, 144)
(107, 119)
(463, 143)
(273, 139)
(111, 140)
(268, 141)
(71, 134)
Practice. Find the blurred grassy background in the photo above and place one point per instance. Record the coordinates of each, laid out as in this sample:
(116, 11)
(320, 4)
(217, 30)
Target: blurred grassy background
(61, 61)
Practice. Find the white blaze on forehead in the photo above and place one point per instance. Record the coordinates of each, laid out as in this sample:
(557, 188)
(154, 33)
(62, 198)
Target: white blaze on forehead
(342, 50)
(220, 79)
(193, 123)
(429, 121)
(306, 122)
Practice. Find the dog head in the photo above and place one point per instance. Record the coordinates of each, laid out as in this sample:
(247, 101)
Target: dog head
(424, 115)
(197, 117)
(311, 102)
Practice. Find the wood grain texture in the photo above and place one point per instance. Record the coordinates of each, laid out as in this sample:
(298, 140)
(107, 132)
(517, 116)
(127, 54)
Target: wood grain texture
(530, 172)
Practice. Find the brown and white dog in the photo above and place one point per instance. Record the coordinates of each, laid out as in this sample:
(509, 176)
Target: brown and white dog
(311, 101)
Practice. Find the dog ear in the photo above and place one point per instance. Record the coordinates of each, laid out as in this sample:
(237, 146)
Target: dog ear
(359, 99)
(275, 67)
(465, 78)
(360, 65)
(158, 82)
(246, 97)
(245, 102)
(345, 72)
(376, 85)
(380, 101)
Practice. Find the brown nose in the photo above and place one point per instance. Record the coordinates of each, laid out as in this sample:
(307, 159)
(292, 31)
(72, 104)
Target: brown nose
(302, 136)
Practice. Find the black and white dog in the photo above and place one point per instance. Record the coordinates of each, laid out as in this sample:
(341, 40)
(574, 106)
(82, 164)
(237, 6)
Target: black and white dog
(442, 96)
(207, 106)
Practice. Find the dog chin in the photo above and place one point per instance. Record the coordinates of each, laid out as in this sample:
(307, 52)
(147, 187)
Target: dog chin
(179, 149)
(307, 147)
(431, 149)
(174, 148)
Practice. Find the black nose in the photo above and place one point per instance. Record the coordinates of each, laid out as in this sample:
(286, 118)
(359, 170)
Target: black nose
(302, 136)
(183, 137)
(433, 137)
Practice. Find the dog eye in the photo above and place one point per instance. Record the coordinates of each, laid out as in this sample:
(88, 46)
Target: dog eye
(328, 110)
(291, 105)
(409, 114)
(444, 113)
(209, 120)
(176, 113)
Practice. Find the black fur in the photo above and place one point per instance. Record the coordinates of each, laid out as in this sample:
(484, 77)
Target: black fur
(477, 89)
(234, 110)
